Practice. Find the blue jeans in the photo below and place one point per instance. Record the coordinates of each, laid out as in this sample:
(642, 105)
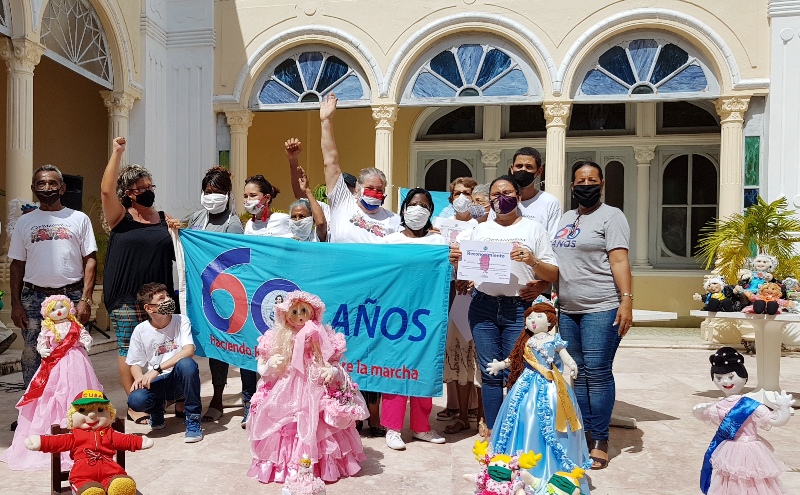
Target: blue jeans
(183, 380)
(496, 323)
(592, 341)
(219, 378)
(32, 303)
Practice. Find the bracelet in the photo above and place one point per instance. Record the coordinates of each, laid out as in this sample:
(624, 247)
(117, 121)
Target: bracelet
(87, 301)
(535, 262)
(627, 294)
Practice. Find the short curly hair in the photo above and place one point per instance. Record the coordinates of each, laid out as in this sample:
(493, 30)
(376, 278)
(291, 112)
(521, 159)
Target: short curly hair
(129, 176)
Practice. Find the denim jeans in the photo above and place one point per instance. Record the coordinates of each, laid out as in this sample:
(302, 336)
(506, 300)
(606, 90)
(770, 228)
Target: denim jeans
(219, 377)
(32, 303)
(183, 380)
(592, 341)
(496, 323)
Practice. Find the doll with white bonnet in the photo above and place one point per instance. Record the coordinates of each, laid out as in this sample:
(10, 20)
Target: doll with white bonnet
(540, 413)
(738, 461)
(715, 298)
(305, 402)
(65, 371)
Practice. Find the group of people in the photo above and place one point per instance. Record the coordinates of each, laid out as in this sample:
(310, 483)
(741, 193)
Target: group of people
(579, 259)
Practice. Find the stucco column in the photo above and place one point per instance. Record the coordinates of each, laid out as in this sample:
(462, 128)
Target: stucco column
(385, 117)
(21, 57)
(490, 159)
(644, 155)
(119, 107)
(731, 110)
(557, 115)
(239, 121)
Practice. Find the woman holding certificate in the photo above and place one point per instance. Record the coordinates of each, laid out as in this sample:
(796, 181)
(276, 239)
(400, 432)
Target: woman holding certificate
(594, 289)
(521, 250)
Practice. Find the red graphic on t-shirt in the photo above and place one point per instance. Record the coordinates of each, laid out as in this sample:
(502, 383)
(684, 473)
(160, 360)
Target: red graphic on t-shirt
(373, 228)
(166, 347)
(50, 233)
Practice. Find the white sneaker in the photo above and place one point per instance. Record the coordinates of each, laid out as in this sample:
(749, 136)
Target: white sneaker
(429, 436)
(394, 441)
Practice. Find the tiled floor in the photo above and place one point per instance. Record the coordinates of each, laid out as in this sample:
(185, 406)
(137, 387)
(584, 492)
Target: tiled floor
(657, 386)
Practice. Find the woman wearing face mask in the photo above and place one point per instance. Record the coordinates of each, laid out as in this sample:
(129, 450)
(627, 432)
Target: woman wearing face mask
(480, 207)
(258, 196)
(496, 313)
(139, 250)
(415, 217)
(592, 244)
(306, 214)
(218, 215)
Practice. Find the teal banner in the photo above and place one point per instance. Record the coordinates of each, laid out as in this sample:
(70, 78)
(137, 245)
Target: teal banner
(390, 302)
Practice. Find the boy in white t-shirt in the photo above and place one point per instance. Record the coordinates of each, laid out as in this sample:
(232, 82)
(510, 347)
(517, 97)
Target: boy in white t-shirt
(160, 357)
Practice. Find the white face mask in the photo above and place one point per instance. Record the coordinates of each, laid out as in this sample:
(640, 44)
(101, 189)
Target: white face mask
(301, 229)
(214, 202)
(253, 206)
(415, 217)
(462, 203)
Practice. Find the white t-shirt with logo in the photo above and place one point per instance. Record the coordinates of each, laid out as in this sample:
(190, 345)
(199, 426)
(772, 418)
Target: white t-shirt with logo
(52, 244)
(525, 233)
(543, 208)
(431, 238)
(277, 225)
(349, 223)
(151, 346)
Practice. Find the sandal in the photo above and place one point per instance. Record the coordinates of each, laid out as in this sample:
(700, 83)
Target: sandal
(447, 414)
(377, 431)
(599, 454)
(212, 414)
(456, 427)
(473, 415)
(141, 420)
(484, 430)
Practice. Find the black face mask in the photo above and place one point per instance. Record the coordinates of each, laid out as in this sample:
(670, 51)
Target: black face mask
(48, 198)
(523, 177)
(146, 198)
(587, 196)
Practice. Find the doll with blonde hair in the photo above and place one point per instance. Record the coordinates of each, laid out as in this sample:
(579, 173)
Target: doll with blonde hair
(65, 371)
(305, 403)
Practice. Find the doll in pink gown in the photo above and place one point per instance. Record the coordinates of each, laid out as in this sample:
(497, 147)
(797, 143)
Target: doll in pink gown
(305, 403)
(738, 461)
(65, 372)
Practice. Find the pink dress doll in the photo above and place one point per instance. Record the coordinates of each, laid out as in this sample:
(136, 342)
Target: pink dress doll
(65, 372)
(738, 461)
(305, 402)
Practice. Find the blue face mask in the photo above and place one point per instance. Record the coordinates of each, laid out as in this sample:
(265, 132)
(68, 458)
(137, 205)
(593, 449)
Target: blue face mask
(369, 206)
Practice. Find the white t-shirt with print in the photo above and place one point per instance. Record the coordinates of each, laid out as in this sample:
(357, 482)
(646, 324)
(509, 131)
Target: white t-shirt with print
(151, 346)
(52, 244)
(277, 225)
(525, 233)
(431, 238)
(349, 223)
(543, 208)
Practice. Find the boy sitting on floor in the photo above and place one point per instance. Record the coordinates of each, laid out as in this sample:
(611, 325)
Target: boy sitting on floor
(160, 356)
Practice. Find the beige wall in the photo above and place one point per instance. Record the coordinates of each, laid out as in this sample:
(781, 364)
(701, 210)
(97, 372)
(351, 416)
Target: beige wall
(70, 126)
(355, 136)
(669, 291)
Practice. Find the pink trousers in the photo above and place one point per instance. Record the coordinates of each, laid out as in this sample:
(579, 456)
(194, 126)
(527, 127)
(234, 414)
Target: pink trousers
(393, 412)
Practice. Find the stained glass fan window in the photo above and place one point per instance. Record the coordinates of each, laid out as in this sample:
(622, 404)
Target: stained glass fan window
(645, 67)
(470, 70)
(310, 76)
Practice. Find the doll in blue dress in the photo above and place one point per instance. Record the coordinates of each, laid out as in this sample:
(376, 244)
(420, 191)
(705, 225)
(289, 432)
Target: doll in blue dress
(540, 412)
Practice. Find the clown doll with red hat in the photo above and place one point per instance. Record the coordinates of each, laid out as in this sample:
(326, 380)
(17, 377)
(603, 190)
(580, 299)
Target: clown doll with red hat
(92, 444)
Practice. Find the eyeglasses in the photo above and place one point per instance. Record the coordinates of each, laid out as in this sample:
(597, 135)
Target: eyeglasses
(139, 190)
(494, 196)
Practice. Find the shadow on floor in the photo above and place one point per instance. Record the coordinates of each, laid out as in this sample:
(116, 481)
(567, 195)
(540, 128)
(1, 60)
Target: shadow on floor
(628, 410)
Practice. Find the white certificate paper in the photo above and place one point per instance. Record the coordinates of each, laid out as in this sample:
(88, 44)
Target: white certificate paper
(450, 227)
(485, 261)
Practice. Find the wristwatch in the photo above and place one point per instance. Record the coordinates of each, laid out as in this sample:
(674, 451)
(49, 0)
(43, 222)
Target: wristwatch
(158, 369)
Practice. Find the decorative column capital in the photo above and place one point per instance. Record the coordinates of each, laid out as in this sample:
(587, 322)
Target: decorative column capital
(385, 116)
(21, 55)
(557, 114)
(239, 120)
(644, 154)
(118, 104)
(490, 158)
(732, 109)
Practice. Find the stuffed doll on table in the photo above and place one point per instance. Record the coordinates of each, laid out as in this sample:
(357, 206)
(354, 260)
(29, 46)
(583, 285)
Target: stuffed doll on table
(715, 298)
(738, 461)
(92, 444)
(65, 371)
(540, 412)
(769, 300)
